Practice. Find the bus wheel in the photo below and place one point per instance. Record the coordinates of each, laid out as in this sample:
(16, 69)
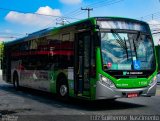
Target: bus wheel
(63, 88)
(15, 81)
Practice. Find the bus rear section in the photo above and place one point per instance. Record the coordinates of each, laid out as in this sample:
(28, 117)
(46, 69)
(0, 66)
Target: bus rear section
(125, 60)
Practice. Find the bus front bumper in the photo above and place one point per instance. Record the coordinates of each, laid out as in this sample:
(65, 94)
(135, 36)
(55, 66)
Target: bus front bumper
(105, 92)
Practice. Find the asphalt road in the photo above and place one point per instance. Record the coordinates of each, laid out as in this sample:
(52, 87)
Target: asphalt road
(31, 104)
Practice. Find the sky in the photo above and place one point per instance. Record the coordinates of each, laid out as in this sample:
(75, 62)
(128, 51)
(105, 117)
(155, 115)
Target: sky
(21, 17)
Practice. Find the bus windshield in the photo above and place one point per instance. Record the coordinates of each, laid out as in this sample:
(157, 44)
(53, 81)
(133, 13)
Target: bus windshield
(127, 50)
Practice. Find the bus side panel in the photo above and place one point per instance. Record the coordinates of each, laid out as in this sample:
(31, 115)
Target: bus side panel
(6, 65)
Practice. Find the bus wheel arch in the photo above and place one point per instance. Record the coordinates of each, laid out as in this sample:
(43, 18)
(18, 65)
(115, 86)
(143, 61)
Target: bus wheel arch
(15, 80)
(62, 85)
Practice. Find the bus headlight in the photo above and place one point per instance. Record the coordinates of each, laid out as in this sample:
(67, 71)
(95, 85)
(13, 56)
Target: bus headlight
(154, 80)
(105, 81)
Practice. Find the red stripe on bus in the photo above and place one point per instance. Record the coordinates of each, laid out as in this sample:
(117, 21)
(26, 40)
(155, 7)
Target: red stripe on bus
(59, 52)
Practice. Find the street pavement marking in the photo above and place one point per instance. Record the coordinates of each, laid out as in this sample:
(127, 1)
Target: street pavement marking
(3, 93)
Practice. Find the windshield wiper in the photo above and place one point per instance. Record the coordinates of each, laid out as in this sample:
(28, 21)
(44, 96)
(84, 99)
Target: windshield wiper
(126, 47)
(138, 35)
(137, 38)
(121, 42)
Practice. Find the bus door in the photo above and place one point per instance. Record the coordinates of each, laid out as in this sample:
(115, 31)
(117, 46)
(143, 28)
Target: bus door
(82, 63)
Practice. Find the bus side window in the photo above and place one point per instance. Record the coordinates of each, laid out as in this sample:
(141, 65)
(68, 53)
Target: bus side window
(33, 44)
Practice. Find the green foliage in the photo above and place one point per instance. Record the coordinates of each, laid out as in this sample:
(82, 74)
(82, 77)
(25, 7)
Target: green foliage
(1, 50)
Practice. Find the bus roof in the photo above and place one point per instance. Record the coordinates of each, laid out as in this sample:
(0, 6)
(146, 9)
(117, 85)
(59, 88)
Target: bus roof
(47, 30)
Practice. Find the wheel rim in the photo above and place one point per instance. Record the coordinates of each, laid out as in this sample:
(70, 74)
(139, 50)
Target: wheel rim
(63, 90)
(16, 84)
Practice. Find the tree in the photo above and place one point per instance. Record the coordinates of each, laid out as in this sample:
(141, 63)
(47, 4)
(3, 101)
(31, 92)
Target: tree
(1, 49)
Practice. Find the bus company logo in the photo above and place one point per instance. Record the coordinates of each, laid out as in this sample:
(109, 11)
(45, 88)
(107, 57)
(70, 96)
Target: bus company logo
(124, 73)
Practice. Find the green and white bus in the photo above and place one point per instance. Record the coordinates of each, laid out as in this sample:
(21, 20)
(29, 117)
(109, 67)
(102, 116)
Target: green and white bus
(96, 58)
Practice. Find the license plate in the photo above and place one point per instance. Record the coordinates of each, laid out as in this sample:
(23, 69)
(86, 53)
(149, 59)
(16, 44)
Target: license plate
(131, 95)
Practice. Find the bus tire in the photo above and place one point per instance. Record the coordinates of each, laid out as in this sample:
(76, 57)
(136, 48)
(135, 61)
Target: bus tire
(63, 90)
(16, 81)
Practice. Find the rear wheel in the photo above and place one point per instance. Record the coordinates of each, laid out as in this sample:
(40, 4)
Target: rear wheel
(16, 81)
(63, 88)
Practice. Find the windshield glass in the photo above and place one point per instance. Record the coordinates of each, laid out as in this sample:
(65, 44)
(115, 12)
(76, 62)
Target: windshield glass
(127, 51)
